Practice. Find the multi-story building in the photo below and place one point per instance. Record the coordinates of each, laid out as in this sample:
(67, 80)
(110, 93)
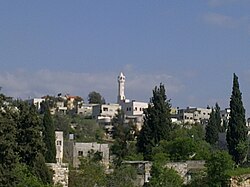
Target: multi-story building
(105, 110)
(133, 110)
(193, 115)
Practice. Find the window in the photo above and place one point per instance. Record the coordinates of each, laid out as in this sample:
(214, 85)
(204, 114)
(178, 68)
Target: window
(135, 108)
(58, 142)
(105, 109)
(80, 153)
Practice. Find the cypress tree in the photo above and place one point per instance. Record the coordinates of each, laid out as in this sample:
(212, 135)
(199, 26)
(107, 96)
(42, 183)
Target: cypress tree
(29, 138)
(211, 135)
(8, 154)
(237, 131)
(49, 137)
(157, 122)
(218, 118)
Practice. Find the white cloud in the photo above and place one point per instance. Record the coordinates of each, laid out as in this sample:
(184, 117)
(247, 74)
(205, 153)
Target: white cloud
(221, 20)
(24, 84)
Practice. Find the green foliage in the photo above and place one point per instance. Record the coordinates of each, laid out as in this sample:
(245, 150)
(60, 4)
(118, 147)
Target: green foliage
(157, 123)
(186, 144)
(26, 178)
(62, 123)
(237, 131)
(41, 170)
(29, 138)
(123, 134)
(212, 130)
(163, 176)
(89, 174)
(86, 130)
(95, 98)
(49, 137)
(217, 166)
(238, 171)
(218, 118)
(8, 155)
(198, 179)
(124, 176)
(20, 144)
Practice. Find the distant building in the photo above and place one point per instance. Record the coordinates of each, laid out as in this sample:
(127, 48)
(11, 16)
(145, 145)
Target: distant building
(193, 115)
(60, 169)
(78, 149)
(37, 102)
(187, 169)
(86, 110)
(59, 146)
(132, 109)
(105, 110)
(143, 169)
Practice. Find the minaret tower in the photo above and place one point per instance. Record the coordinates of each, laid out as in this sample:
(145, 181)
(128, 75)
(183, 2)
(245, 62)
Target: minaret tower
(121, 88)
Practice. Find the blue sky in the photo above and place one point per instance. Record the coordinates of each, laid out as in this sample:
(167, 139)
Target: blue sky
(193, 47)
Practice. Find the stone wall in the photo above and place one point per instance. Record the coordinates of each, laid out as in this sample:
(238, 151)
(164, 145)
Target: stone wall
(240, 181)
(185, 169)
(61, 173)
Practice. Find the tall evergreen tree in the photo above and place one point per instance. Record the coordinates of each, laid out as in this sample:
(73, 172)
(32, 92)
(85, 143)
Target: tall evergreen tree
(213, 126)
(123, 134)
(157, 122)
(49, 137)
(218, 118)
(237, 131)
(29, 138)
(8, 154)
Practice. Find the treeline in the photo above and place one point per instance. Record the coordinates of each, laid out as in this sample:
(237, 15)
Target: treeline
(22, 146)
(161, 141)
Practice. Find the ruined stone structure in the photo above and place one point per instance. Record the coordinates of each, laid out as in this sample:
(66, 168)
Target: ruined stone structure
(79, 149)
(61, 170)
(143, 171)
(185, 169)
(240, 181)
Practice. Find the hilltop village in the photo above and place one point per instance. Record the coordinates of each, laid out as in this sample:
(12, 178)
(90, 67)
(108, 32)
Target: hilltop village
(127, 143)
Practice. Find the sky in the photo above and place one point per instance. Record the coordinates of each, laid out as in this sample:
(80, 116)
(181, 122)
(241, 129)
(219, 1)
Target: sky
(75, 47)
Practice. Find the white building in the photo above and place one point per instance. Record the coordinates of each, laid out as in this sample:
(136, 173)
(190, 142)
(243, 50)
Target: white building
(60, 169)
(130, 108)
(105, 110)
(86, 109)
(37, 102)
(59, 146)
(193, 115)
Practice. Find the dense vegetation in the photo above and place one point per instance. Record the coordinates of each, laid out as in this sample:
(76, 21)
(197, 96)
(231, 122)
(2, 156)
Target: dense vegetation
(23, 150)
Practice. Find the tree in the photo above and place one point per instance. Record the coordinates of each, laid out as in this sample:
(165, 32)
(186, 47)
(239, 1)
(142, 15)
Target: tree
(212, 131)
(95, 98)
(163, 176)
(49, 137)
(8, 147)
(123, 175)
(90, 173)
(123, 134)
(157, 123)
(29, 138)
(218, 118)
(237, 131)
(217, 166)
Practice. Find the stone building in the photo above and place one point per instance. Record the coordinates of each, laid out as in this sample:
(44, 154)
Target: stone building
(78, 149)
(61, 170)
(187, 169)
